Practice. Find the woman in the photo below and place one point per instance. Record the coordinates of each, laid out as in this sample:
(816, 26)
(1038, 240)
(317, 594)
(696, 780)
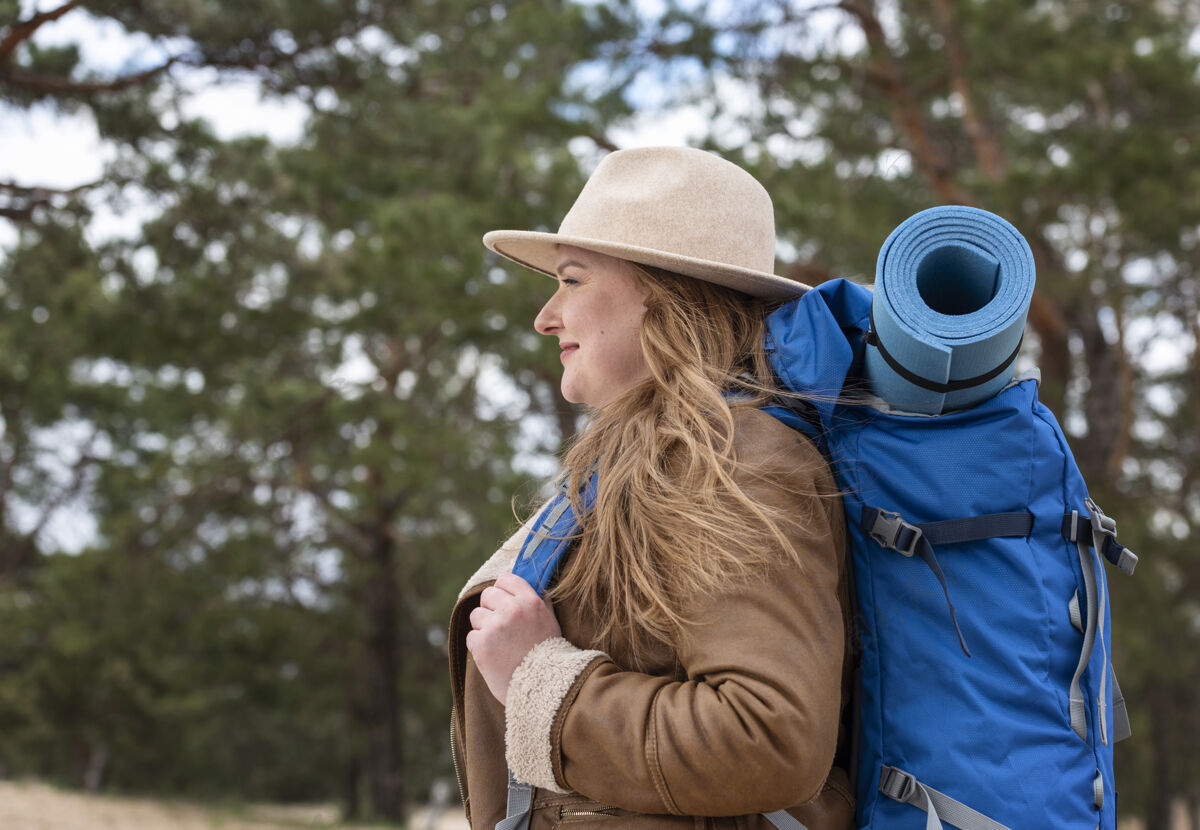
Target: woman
(689, 658)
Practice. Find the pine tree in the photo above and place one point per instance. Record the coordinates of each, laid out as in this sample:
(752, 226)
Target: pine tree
(293, 398)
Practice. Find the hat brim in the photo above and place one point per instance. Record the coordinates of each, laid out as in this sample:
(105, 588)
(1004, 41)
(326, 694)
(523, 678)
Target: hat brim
(539, 252)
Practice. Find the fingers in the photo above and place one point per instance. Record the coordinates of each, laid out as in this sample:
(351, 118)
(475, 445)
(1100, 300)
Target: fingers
(479, 617)
(482, 636)
(508, 588)
(492, 598)
(515, 585)
(510, 605)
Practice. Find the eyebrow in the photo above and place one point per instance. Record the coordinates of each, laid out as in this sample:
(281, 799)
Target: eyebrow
(570, 262)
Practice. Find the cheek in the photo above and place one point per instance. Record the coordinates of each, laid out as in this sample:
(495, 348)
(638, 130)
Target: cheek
(611, 359)
(625, 347)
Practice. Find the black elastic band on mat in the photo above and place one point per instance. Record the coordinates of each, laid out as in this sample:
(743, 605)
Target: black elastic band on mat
(934, 386)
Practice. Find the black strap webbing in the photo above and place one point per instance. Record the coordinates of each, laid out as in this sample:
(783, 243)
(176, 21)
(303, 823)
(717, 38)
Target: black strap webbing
(933, 385)
(891, 531)
(977, 528)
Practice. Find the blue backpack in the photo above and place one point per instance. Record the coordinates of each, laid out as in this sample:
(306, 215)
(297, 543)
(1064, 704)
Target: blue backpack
(986, 695)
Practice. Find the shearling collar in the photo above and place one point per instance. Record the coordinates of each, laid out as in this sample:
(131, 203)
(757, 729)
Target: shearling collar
(502, 560)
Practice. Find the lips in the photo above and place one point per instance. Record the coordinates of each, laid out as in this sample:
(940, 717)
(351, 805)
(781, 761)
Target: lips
(568, 349)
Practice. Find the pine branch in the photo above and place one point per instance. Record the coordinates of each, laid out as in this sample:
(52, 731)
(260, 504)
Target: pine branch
(18, 202)
(22, 30)
(52, 85)
(248, 60)
(25, 191)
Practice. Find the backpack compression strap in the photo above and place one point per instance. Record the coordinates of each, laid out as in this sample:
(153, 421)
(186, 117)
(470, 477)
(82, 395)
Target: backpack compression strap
(520, 805)
(901, 786)
(1098, 532)
(783, 820)
(891, 531)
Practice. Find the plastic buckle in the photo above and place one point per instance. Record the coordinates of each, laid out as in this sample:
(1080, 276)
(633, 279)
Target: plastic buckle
(1105, 528)
(1101, 523)
(1072, 531)
(887, 530)
(897, 784)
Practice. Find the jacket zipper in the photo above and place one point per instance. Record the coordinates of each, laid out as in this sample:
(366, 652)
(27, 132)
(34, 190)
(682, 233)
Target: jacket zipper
(462, 794)
(564, 812)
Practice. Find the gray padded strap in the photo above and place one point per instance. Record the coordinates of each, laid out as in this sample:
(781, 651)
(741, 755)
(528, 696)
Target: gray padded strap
(783, 820)
(1102, 527)
(1077, 703)
(1121, 727)
(1075, 613)
(901, 786)
(546, 526)
(520, 805)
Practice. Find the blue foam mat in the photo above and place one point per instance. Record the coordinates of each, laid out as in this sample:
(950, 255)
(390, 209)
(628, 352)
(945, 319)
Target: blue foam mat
(952, 291)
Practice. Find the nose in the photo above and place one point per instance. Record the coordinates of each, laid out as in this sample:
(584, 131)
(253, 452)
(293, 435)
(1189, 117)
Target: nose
(548, 320)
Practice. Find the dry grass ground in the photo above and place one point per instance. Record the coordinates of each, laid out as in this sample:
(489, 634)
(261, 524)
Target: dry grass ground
(29, 805)
(34, 806)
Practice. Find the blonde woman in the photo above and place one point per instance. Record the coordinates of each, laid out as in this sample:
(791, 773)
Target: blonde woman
(665, 644)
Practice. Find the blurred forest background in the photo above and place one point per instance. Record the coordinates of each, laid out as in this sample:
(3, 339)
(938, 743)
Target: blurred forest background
(289, 398)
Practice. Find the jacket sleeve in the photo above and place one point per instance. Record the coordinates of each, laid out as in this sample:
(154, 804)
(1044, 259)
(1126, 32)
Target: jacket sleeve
(754, 725)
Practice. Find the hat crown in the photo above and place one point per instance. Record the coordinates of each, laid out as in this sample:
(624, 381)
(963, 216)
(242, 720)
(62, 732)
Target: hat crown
(675, 208)
(680, 201)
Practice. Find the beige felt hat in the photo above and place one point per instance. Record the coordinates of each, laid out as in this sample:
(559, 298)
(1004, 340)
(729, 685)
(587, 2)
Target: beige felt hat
(676, 208)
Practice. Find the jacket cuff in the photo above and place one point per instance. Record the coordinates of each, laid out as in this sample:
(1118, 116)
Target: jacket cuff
(536, 692)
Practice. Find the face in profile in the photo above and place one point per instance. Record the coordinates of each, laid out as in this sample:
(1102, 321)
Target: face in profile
(596, 314)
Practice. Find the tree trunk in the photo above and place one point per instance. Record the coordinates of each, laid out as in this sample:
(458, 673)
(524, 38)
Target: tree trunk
(97, 765)
(887, 72)
(1158, 810)
(1103, 407)
(1055, 358)
(384, 764)
(351, 804)
(1048, 320)
(985, 141)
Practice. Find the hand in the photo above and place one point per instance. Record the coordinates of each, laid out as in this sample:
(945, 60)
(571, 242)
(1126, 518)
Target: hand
(511, 619)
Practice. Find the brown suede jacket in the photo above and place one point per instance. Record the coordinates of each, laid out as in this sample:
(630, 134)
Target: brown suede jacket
(739, 717)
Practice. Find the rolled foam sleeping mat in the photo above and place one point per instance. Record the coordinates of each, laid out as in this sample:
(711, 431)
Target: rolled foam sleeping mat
(952, 291)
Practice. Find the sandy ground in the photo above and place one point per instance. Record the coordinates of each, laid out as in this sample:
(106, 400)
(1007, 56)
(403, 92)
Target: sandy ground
(34, 806)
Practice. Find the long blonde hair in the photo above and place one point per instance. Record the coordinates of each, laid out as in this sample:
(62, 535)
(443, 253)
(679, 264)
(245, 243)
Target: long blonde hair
(670, 520)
